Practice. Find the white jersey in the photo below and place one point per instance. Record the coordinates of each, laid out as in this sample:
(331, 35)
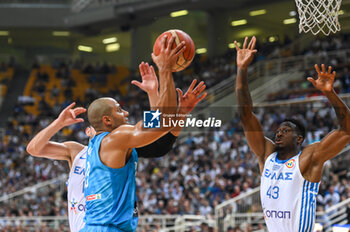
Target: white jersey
(75, 186)
(288, 200)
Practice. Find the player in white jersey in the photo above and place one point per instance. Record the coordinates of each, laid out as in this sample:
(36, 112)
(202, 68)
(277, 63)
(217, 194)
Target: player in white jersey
(290, 177)
(75, 153)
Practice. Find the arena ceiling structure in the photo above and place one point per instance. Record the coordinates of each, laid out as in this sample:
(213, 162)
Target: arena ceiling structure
(30, 23)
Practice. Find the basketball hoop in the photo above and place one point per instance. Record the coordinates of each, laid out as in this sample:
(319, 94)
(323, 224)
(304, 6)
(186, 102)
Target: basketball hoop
(318, 16)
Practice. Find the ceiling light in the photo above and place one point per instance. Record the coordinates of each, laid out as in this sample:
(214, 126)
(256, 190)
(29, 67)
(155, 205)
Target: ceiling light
(272, 39)
(4, 33)
(290, 21)
(60, 33)
(84, 48)
(257, 12)
(112, 47)
(109, 40)
(178, 13)
(201, 50)
(239, 22)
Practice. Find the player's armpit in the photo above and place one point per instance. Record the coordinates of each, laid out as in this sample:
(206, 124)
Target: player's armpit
(330, 146)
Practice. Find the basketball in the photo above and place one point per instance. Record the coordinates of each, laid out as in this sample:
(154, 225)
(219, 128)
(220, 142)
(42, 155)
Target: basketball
(186, 57)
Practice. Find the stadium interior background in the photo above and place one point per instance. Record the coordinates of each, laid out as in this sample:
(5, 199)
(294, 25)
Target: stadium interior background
(53, 52)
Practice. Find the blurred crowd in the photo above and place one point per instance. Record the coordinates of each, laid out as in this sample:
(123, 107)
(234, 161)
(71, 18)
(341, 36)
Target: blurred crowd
(203, 170)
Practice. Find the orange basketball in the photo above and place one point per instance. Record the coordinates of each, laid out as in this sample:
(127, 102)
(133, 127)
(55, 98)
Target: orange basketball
(187, 55)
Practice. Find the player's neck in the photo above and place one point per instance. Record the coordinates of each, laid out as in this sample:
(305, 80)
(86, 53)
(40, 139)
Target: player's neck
(285, 154)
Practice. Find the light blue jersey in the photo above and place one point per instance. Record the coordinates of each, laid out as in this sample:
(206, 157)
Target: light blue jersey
(110, 192)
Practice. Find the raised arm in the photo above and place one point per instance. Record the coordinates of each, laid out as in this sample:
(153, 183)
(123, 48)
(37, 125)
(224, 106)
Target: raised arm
(336, 140)
(149, 83)
(260, 145)
(137, 136)
(186, 101)
(41, 146)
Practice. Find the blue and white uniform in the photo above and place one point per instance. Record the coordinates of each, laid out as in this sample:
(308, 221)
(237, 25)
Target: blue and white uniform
(110, 193)
(75, 188)
(288, 200)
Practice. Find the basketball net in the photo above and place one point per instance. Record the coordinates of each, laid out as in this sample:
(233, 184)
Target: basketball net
(318, 16)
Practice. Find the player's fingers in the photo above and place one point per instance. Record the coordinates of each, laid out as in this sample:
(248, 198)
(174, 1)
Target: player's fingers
(72, 113)
(254, 51)
(250, 43)
(180, 50)
(312, 80)
(153, 72)
(333, 74)
(236, 45)
(317, 69)
(142, 72)
(179, 46)
(202, 89)
(146, 68)
(70, 106)
(137, 83)
(323, 68)
(201, 97)
(196, 90)
(154, 58)
(192, 85)
(79, 110)
(78, 120)
(179, 91)
(254, 43)
(170, 43)
(329, 69)
(245, 43)
(163, 42)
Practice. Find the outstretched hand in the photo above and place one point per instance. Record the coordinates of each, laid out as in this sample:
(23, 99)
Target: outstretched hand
(149, 82)
(246, 54)
(325, 80)
(168, 56)
(192, 97)
(69, 115)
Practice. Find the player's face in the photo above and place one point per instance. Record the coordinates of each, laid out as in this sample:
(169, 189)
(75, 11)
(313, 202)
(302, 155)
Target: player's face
(286, 136)
(119, 115)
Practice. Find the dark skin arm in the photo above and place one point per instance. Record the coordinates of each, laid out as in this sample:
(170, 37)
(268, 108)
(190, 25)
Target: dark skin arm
(260, 145)
(314, 156)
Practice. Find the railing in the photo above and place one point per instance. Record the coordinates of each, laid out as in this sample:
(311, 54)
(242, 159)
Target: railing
(154, 222)
(148, 223)
(56, 181)
(344, 96)
(59, 223)
(273, 67)
(235, 211)
(333, 215)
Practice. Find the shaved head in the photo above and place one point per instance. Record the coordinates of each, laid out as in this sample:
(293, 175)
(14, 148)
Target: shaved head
(99, 108)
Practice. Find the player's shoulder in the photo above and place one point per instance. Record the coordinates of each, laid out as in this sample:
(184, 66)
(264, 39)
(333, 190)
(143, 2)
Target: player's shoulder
(122, 130)
(309, 149)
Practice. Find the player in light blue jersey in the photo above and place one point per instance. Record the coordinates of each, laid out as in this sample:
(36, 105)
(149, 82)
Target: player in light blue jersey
(75, 153)
(111, 158)
(290, 176)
